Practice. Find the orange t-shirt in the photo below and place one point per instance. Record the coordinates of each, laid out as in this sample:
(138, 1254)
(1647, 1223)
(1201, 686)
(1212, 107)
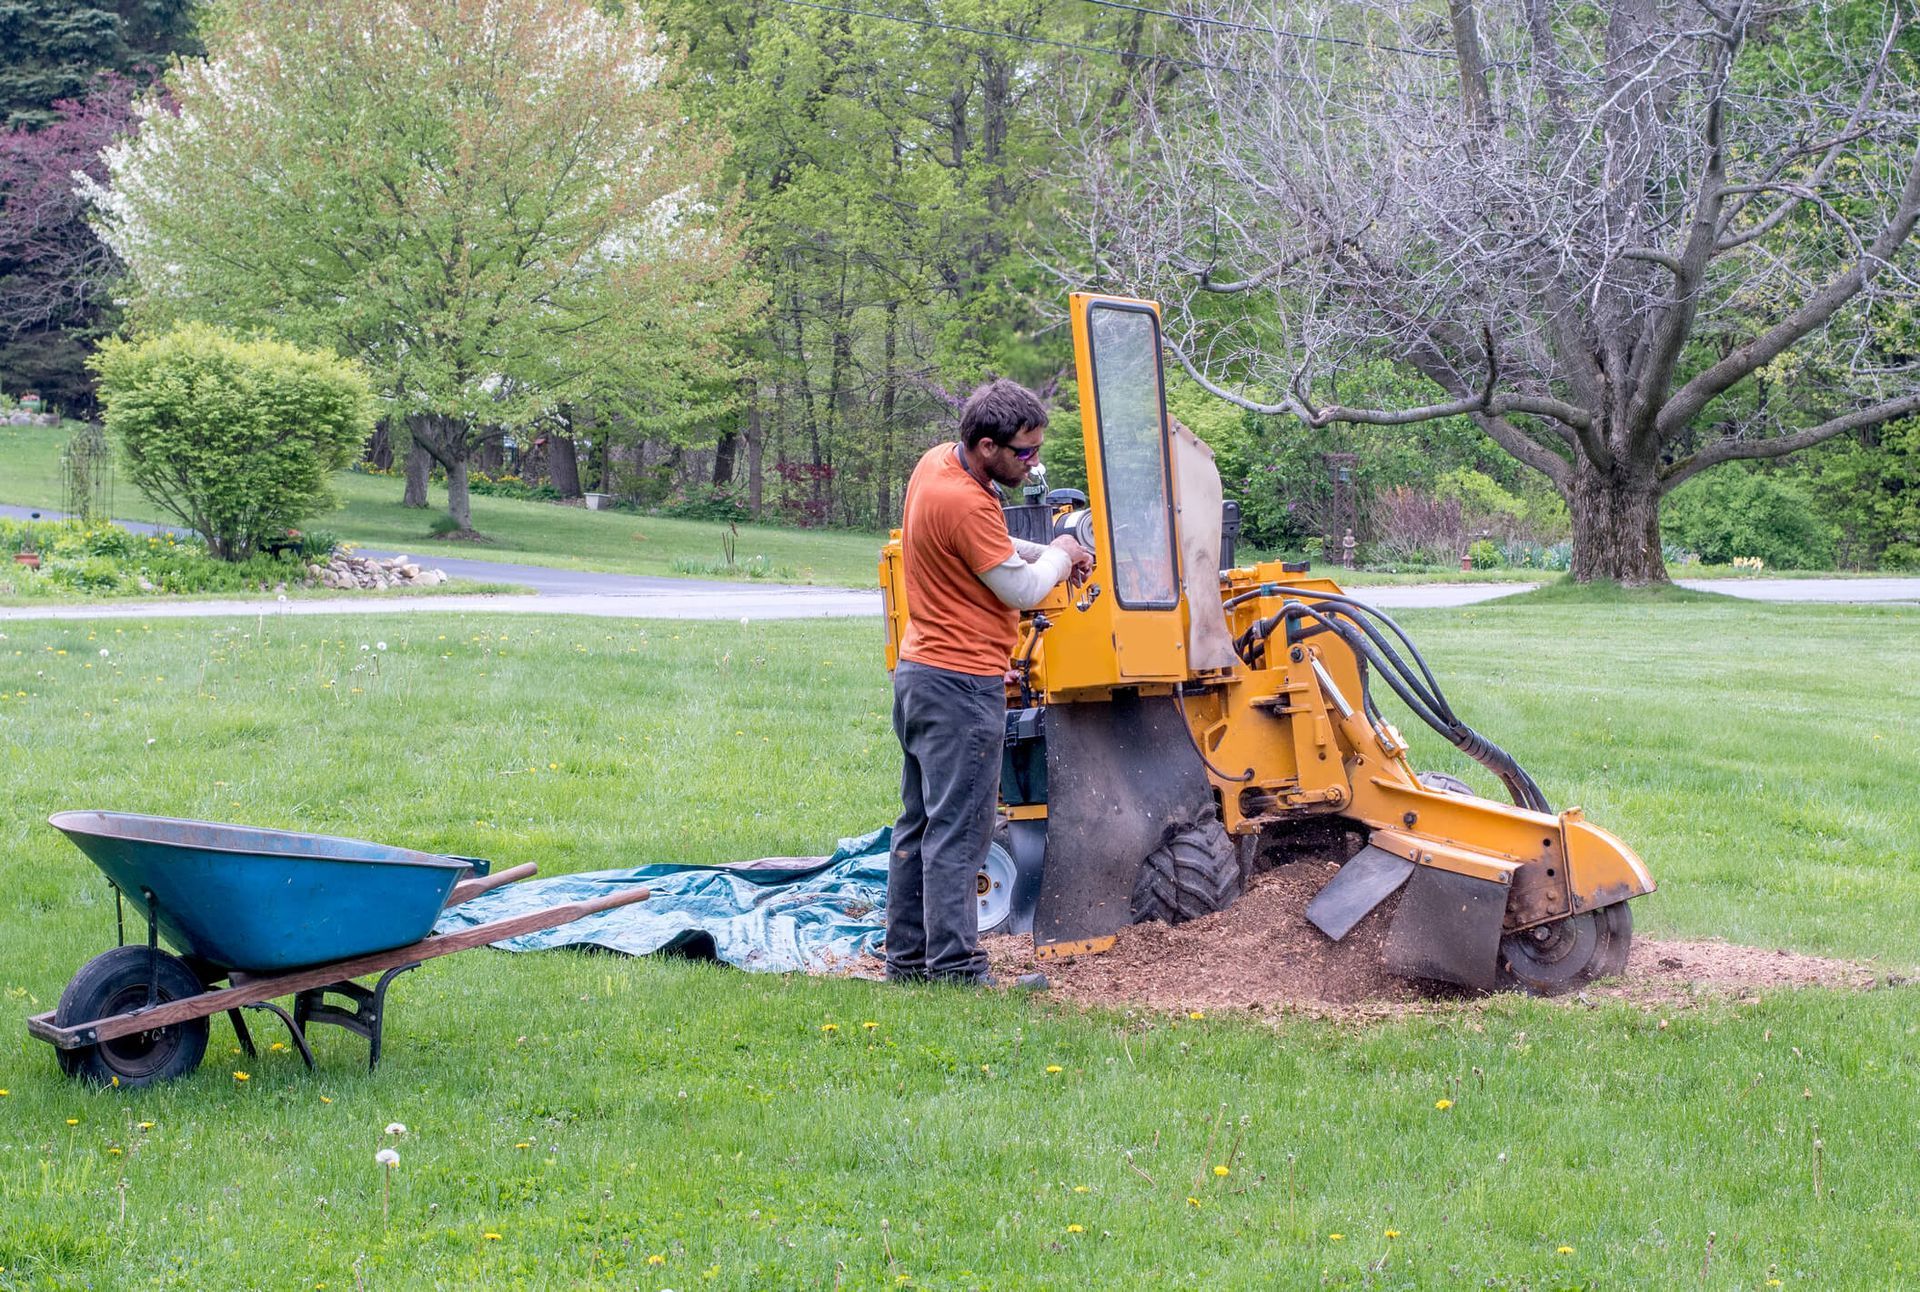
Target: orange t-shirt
(953, 531)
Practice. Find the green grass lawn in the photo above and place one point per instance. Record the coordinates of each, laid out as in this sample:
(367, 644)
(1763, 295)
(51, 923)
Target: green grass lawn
(526, 532)
(574, 1117)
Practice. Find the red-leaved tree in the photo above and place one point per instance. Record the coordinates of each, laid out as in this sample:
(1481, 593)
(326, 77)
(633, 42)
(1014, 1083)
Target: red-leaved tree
(55, 273)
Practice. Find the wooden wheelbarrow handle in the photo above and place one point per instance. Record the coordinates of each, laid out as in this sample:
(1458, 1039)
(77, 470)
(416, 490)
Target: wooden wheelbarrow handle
(468, 889)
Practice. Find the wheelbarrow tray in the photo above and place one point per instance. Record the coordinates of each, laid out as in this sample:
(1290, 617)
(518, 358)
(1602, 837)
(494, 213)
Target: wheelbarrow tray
(265, 901)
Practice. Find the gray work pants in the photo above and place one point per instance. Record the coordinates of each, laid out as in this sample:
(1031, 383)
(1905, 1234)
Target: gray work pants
(952, 727)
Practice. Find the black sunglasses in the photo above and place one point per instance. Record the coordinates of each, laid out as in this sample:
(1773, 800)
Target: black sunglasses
(1025, 455)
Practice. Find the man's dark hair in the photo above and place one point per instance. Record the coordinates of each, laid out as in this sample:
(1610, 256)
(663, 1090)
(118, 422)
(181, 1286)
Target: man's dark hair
(998, 411)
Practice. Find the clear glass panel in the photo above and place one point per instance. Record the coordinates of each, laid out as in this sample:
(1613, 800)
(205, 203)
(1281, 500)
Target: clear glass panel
(1126, 376)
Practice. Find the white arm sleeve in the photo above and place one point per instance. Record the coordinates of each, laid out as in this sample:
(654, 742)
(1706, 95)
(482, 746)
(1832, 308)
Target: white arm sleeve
(1023, 584)
(1028, 551)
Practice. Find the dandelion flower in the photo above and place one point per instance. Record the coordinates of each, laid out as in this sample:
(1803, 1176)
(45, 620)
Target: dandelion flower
(396, 1128)
(523, 1144)
(1080, 1188)
(1196, 1015)
(1443, 1104)
(5, 1093)
(387, 1157)
(325, 1100)
(146, 1125)
(829, 1028)
(1076, 1229)
(1563, 1250)
(73, 1121)
(1192, 1201)
(869, 1025)
(491, 1237)
(1054, 1069)
(1334, 1238)
(114, 1150)
(656, 1259)
(1223, 1170)
(243, 1076)
(1393, 1233)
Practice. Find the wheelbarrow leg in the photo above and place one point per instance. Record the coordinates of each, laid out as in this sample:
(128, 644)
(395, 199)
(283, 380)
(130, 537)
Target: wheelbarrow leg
(367, 1017)
(294, 1029)
(241, 1033)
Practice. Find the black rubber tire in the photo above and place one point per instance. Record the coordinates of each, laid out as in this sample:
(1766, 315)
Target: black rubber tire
(1445, 783)
(1196, 872)
(115, 983)
(1568, 954)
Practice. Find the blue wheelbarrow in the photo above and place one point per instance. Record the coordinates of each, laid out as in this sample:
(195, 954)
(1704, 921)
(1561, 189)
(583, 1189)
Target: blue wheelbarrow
(270, 914)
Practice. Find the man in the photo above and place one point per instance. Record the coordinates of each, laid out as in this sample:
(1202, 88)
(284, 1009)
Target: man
(967, 580)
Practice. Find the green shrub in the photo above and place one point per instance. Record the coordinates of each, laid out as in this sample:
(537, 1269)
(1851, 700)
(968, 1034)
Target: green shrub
(104, 559)
(234, 438)
(713, 502)
(1728, 513)
(1486, 555)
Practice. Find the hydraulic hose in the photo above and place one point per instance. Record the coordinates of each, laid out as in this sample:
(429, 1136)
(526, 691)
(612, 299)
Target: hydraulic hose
(1421, 693)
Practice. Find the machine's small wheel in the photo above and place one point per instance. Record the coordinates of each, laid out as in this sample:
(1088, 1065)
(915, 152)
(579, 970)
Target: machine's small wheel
(1445, 783)
(115, 983)
(1553, 959)
(1195, 872)
(993, 887)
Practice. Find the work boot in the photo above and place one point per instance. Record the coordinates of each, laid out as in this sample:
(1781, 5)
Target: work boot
(986, 978)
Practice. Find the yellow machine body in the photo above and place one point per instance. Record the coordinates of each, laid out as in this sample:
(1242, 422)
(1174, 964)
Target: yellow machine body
(1284, 739)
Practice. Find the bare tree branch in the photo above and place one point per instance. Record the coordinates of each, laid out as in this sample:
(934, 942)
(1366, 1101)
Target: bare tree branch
(1730, 449)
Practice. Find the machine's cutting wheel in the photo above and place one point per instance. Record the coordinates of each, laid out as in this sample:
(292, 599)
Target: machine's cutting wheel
(118, 981)
(1553, 959)
(1195, 872)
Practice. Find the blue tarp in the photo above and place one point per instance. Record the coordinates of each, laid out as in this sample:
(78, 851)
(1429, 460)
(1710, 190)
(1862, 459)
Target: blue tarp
(774, 916)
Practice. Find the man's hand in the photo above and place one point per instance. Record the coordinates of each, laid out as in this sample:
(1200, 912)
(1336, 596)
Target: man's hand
(1081, 558)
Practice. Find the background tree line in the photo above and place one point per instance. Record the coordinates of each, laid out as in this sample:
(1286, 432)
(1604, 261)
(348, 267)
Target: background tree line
(907, 190)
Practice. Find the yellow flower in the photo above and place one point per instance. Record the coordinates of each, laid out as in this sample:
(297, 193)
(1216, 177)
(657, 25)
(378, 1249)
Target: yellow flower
(869, 1025)
(1443, 1104)
(1222, 1169)
(5, 1093)
(1335, 1237)
(73, 1121)
(242, 1076)
(1774, 1283)
(491, 1237)
(553, 767)
(115, 1150)
(829, 1027)
(1564, 1250)
(523, 1144)
(1076, 1229)
(656, 1259)
(146, 1125)
(1079, 1188)
(1195, 1015)
(325, 1100)
(278, 1045)
(1054, 1068)
(1393, 1233)
(1192, 1201)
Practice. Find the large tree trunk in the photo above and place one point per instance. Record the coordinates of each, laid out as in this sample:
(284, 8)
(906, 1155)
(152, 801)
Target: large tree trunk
(459, 506)
(1616, 526)
(563, 465)
(419, 467)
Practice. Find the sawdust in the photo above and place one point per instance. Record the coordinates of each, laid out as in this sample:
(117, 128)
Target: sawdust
(1261, 955)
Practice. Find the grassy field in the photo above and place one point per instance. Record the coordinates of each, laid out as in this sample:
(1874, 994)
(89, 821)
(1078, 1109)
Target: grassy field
(581, 1120)
(529, 532)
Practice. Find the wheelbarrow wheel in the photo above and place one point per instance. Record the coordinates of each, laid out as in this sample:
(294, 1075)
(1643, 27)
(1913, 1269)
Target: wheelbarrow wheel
(116, 983)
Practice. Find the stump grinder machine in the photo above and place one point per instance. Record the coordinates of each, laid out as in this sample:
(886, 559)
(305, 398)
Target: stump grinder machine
(1177, 721)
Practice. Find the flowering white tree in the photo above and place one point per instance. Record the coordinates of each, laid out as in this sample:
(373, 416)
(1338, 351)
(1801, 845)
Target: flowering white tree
(495, 204)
